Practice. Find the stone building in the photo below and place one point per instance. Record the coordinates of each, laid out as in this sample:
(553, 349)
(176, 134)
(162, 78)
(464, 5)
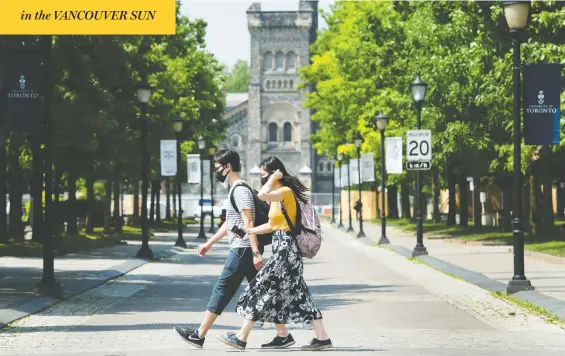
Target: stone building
(269, 119)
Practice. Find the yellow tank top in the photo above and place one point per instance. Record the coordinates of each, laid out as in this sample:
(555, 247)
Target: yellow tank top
(276, 217)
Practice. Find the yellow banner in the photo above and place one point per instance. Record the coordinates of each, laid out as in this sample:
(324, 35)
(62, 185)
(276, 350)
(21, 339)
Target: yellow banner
(87, 17)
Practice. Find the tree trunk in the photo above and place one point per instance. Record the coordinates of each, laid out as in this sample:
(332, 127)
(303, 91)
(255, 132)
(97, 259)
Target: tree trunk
(174, 201)
(405, 200)
(136, 211)
(36, 189)
(452, 198)
(548, 219)
(57, 216)
(463, 201)
(168, 203)
(152, 207)
(507, 206)
(3, 188)
(72, 227)
(435, 192)
(477, 209)
(107, 206)
(15, 188)
(560, 200)
(393, 202)
(90, 202)
(158, 201)
(117, 209)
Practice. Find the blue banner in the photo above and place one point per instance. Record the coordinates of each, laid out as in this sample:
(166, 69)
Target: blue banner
(22, 92)
(541, 90)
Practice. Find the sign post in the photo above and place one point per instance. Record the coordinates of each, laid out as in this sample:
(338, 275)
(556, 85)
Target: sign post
(418, 149)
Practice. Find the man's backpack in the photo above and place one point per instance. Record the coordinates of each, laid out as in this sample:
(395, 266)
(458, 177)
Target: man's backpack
(261, 214)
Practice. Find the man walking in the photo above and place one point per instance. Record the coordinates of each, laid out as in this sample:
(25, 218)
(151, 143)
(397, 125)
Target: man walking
(244, 257)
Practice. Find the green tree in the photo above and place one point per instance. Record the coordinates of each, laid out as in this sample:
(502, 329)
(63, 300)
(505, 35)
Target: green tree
(237, 78)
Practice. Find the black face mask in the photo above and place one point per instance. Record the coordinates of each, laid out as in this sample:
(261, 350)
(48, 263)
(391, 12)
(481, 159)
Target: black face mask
(265, 179)
(220, 177)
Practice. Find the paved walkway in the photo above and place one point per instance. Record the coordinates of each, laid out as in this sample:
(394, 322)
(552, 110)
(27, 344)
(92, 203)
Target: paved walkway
(373, 301)
(493, 262)
(77, 272)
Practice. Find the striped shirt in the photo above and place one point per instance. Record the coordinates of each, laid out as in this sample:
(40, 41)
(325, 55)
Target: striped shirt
(243, 200)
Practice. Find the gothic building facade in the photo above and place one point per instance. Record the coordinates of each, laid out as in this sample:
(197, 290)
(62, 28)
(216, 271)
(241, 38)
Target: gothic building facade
(270, 118)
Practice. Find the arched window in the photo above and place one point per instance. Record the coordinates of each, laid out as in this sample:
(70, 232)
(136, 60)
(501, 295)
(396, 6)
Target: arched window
(273, 132)
(291, 60)
(279, 61)
(291, 83)
(285, 84)
(329, 167)
(268, 84)
(268, 61)
(287, 132)
(321, 167)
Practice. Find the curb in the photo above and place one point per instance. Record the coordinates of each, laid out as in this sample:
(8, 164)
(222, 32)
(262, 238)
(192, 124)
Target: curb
(551, 304)
(37, 303)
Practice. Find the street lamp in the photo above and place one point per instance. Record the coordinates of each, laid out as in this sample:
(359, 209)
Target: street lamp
(339, 160)
(418, 89)
(212, 152)
(517, 13)
(350, 227)
(144, 95)
(382, 122)
(358, 141)
(201, 145)
(177, 126)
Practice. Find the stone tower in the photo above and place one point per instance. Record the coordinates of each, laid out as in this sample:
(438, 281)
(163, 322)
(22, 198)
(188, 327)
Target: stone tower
(277, 123)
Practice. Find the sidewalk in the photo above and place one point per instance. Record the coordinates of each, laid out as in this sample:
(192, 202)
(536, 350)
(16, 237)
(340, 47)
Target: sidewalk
(77, 272)
(489, 267)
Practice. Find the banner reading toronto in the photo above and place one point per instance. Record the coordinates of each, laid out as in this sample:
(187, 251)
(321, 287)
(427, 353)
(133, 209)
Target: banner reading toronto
(541, 92)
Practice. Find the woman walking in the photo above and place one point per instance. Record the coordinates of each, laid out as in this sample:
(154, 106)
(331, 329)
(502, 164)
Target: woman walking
(278, 294)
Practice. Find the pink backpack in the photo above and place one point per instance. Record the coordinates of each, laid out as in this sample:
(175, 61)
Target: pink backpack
(308, 232)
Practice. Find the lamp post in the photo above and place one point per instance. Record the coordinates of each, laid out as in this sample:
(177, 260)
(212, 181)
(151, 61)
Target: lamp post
(339, 160)
(350, 227)
(201, 145)
(358, 141)
(144, 95)
(382, 122)
(177, 126)
(332, 161)
(418, 89)
(516, 14)
(212, 152)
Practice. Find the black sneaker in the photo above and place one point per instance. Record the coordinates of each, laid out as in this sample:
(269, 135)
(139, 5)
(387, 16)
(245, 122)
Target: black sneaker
(316, 345)
(231, 339)
(191, 336)
(280, 342)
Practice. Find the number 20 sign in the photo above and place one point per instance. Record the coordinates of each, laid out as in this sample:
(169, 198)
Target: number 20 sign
(419, 145)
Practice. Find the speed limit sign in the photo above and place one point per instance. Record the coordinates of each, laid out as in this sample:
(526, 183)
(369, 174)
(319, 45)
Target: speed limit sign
(419, 145)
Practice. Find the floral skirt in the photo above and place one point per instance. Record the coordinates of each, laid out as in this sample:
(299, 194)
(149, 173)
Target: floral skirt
(278, 294)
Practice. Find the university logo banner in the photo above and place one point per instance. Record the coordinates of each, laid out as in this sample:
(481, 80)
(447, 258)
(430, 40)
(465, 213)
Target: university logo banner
(541, 94)
(21, 99)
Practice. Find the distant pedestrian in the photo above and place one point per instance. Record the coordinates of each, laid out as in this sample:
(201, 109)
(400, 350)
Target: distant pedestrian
(358, 209)
(279, 294)
(245, 254)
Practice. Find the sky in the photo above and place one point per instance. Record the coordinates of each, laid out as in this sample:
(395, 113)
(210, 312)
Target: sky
(227, 36)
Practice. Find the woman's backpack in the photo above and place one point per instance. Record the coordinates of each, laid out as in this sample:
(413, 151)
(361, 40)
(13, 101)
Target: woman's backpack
(308, 231)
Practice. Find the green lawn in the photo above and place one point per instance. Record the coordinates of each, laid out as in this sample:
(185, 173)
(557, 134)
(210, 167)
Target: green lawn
(66, 244)
(551, 244)
(171, 225)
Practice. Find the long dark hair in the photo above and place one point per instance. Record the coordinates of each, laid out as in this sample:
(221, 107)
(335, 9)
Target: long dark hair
(272, 164)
